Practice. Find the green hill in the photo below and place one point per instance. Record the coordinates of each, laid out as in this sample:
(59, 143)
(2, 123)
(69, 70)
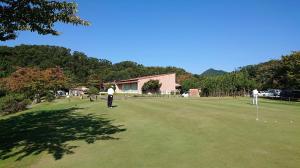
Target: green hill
(79, 67)
(213, 72)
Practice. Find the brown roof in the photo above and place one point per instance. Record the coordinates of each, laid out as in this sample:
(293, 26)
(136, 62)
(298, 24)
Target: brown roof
(126, 81)
(133, 80)
(143, 77)
(81, 88)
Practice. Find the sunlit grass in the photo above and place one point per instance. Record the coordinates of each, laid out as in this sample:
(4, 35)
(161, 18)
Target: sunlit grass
(159, 132)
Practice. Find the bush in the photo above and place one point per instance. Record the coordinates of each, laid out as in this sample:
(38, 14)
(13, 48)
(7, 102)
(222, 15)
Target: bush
(2, 92)
(13, 103)
(50, 97)
(151, 86)
(93, 91)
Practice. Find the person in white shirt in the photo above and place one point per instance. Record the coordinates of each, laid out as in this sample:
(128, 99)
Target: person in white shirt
(255, 95)
(110, 97)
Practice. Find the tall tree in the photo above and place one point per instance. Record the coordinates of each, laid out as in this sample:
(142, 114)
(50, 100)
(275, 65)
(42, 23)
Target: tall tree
(35, 82)
(36, 16)
(291, 71)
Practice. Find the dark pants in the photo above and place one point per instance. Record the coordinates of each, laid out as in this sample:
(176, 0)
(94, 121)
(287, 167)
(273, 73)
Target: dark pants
(110, 100)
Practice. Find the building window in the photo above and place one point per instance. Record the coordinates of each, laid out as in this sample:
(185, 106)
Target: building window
(130, 88)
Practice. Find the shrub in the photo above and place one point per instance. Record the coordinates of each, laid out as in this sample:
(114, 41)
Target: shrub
(50, 97)
(2, 92)
(13, 103)
(93, 91)
(151, 86)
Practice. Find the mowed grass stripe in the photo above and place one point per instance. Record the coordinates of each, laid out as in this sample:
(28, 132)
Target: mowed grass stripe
(155, 104)
(183, 133)
(259, 131)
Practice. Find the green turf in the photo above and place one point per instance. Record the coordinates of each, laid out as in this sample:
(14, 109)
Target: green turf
(153, 133)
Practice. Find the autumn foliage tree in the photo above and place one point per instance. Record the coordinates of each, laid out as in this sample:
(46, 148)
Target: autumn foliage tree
(181, 78)
(34, 82)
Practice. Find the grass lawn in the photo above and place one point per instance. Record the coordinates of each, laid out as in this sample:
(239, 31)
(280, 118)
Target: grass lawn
(153, 133)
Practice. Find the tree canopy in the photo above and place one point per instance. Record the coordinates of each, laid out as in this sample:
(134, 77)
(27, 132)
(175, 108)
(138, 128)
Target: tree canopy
(151, 86)
(213, 72)
(274, 74)
(80, 68)
(84, 70)
(34, 82)
(36, 16)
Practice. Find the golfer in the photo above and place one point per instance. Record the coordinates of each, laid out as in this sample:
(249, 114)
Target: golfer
(110, 97)
(255, 95)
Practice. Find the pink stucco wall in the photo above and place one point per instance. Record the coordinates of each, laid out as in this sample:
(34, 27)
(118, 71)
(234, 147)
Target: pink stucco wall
(168, 82)
(118, 88)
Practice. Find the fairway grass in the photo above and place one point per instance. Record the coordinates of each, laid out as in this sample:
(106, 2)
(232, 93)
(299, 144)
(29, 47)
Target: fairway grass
(153, 133)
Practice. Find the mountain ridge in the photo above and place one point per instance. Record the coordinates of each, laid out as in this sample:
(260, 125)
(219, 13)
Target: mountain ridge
(213, 72)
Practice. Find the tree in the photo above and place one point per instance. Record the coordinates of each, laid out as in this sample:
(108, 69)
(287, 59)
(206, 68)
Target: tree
(77, 66)
(5, 68)
(291, 71)
(151, 86)
(36, 16)
(13, 103)
(35, 82)
(181, 78)
(92, 92)
(191, 83)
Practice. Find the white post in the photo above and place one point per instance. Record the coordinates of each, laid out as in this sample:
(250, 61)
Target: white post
(255, 101)
(256, 111)
(256, 97)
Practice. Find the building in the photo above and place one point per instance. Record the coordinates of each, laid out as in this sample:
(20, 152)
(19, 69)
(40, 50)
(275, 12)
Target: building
(78, 91)
(194, 92)
(134, 85)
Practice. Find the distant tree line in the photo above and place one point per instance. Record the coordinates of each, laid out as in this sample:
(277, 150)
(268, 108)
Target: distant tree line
(84, 70)
(230, 84)
(281, 74)
(80, 68)
(33, 71)
(275, 74)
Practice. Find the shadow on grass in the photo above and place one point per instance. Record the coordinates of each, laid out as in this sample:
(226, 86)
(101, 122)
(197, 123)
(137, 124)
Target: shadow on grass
(36, 132)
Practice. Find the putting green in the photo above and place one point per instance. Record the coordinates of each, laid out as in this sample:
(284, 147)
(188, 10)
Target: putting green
(153, 133)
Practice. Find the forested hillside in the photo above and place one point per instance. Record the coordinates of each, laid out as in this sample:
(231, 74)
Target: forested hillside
(76, 65)
(213, 72)
(282, 74)
(274, 74)
(82, 69)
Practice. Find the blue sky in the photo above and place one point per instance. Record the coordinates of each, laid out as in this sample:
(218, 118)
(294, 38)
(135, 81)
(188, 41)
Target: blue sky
(191, 34)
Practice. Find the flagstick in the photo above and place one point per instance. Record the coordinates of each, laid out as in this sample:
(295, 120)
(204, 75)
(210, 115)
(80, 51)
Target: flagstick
(256, 102)
(256, 112)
